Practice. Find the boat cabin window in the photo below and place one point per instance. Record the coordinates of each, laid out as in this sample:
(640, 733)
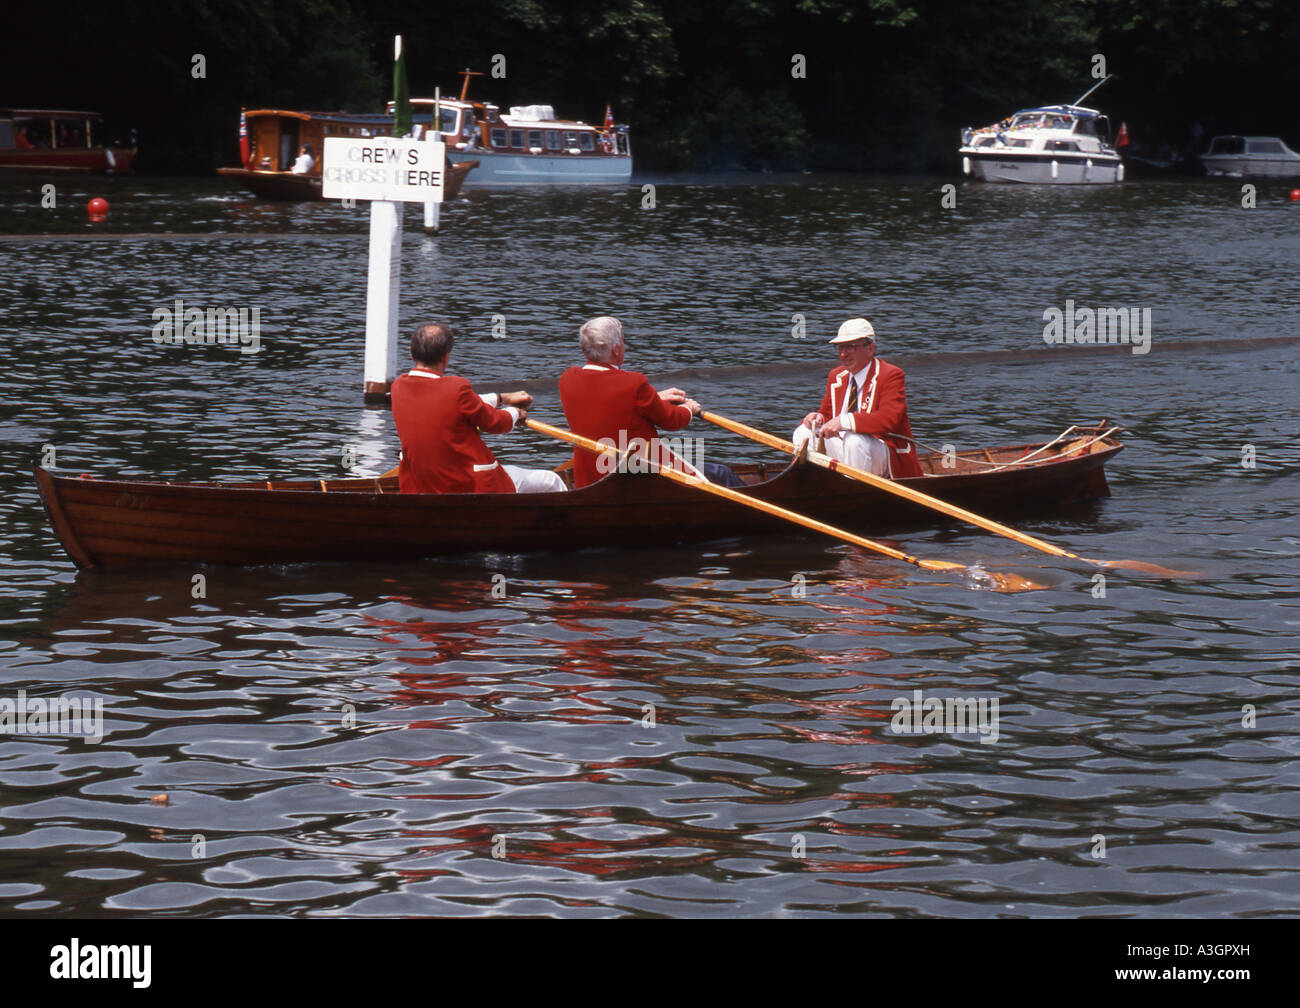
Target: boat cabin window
(622, 143)
(70, 134)
(535, 139)
(987, 141)
(553, 139)
(1062, 145)
(1018, 142)
(586, 142)
(1264, 147)
(1228, 145)
(6, 134)
(517, 138)
(468, 127)
(570, 139)
(1086, 127)
(498, 138)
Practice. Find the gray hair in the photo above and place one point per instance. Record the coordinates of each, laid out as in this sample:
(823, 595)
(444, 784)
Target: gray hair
(599, 337)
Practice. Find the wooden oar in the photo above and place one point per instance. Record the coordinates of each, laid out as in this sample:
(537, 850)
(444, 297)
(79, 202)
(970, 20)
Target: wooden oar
(925, 500)
(1003, 582)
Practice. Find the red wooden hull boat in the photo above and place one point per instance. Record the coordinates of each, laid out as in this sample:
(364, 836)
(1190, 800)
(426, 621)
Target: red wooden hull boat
(42, 140)
(121, 523)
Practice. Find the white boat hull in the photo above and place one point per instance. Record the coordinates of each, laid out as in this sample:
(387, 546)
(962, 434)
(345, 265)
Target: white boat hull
(1042, 169)
(1260, 166)
(501, 169)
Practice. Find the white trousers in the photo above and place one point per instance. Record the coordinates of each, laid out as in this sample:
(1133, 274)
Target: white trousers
(861, 451)
(533, 480)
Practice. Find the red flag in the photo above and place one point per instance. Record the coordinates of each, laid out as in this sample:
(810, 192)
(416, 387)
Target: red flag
(609, 118)
(243, 139)
(1122, 139)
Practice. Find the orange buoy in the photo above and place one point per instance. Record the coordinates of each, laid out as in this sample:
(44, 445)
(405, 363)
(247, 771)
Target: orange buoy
(97, 208)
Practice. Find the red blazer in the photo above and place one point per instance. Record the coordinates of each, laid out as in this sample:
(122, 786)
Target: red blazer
(881, 411)
(438, 420)
(602, 401)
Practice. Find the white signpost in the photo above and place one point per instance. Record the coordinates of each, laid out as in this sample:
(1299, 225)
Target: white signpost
(387, 172)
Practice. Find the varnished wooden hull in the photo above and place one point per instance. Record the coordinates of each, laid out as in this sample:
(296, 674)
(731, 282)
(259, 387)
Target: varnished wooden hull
(121, 523)
(89, 160)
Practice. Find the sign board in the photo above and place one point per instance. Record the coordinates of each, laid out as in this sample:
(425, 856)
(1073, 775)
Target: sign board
(383, 168)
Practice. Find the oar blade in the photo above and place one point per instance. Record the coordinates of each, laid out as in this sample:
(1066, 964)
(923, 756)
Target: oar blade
(1145, 568)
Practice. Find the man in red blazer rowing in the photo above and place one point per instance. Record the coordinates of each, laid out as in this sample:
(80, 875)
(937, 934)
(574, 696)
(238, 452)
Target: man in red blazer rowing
(605, 403)
(439, 417)
(863, 415)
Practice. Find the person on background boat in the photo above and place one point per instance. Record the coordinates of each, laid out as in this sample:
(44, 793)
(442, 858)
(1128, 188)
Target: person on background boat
(602, 401)
(863, 415)
(439, 417)
(305, 161)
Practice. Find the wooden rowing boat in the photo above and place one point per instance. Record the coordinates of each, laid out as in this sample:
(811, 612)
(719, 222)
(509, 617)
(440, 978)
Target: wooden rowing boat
(106, 523)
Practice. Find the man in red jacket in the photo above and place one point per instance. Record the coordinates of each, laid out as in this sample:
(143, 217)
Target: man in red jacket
(605, 403)
(439, 417)
(863, 415)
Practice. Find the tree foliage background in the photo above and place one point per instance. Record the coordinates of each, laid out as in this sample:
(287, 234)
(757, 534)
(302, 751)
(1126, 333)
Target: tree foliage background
(704, 86)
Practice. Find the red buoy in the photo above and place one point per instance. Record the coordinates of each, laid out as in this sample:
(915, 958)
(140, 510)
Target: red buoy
(1295, 195)
(97, 208)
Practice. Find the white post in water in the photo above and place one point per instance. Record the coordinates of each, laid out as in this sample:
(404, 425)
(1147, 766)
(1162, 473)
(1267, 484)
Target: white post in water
(388, 172)
(433, 209)
(383, 295)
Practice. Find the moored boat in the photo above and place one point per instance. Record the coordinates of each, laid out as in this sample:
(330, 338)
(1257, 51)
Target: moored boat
(60, 140)
(275, 136)
(1052, 144)
(529, 145)
(1261, 156)
(108, 523)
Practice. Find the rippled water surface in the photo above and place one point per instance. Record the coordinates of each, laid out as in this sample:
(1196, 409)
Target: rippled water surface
(664, 730)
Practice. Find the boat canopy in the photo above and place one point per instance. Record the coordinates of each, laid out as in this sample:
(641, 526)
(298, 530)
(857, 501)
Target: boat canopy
(532, 113)
(1234, 144)
(1074, 110)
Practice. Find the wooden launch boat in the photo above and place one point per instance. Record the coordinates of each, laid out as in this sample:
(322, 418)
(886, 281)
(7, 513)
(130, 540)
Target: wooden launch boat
(59, 140)
(119, 523)
(276, 135)
(528, 145)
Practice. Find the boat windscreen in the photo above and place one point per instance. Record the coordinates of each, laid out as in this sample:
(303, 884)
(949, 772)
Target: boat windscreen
(1228, 145)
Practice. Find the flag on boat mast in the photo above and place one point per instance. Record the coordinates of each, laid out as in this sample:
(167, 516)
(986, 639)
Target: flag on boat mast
(607, 131)
(243, 139)
(401, 96)
(1122, 139)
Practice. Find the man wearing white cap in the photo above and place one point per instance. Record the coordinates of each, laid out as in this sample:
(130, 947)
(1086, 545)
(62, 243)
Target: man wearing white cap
(863, 415)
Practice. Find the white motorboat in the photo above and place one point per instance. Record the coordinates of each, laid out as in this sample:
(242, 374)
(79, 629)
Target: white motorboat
(530, 146)
(1250, 155)
(1053, 144)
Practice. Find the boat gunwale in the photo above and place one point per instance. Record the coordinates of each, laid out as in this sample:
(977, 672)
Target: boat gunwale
(310, 489)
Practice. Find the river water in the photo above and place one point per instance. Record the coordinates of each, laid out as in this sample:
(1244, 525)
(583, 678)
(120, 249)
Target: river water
(663, 730)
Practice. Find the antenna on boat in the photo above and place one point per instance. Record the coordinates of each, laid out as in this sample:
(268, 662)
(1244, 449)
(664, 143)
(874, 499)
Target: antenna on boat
(467, 73)
(1086, 93)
